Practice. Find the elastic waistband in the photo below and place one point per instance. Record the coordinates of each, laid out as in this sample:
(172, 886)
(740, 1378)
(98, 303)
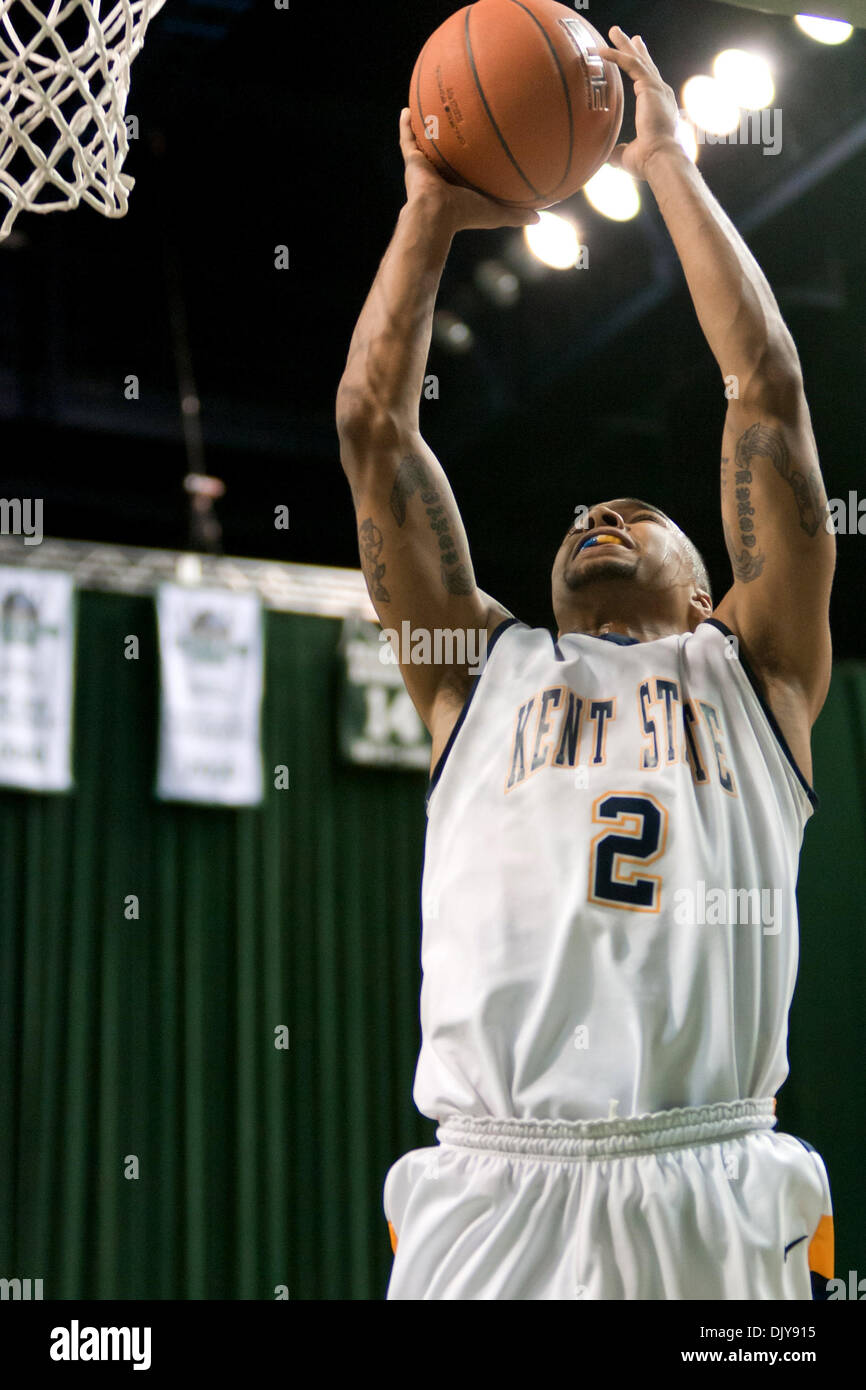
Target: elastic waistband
(582, 1139)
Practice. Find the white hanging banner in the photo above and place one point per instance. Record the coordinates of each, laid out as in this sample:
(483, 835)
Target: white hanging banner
(378, 726)
(37, 644)
(212, 682)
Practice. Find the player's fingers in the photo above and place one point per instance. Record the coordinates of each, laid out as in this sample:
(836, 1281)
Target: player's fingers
(523, 217)
(619, 36)
(406, 132)
(493, 214)
(646, 54)
(408, 143)
(622, 41)
(630, 63)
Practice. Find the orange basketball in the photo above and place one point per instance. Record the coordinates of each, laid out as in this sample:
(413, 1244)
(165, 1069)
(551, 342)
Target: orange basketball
(510, 97)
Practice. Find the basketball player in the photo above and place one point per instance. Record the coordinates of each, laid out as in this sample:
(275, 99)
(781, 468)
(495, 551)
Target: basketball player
(604, 1008)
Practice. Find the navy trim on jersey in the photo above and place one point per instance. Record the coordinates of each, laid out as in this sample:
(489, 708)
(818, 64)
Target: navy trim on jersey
(771, 718)
(491, 643)
(616, 637)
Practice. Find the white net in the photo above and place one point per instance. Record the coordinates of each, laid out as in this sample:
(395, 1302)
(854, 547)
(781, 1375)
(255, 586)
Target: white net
(64, 84)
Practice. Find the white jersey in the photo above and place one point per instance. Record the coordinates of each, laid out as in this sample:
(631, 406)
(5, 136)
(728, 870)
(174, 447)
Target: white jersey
(608, 902)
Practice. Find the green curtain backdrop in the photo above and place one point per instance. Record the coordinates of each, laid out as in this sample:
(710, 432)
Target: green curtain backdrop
(824, 1099)
(155, 1037)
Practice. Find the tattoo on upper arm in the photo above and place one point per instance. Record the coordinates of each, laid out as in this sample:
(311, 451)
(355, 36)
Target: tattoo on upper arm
(747, 562)
(410, 476)
(805, 485)
(413, 476)
(746, 567)
(764, 442)
(371, 542)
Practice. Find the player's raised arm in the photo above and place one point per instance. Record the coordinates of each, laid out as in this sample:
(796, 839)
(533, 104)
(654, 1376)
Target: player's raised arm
(413, 547)
(774, 506)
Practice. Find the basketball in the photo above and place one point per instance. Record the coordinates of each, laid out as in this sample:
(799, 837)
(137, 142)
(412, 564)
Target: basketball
(510, 98)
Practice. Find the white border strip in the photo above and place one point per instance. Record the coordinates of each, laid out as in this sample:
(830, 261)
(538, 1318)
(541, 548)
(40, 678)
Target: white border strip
(127, 569)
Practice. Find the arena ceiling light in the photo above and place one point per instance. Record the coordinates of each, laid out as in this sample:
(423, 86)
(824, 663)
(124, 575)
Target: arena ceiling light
(554, 240)
(747, 77)
(498, 283)
(710, 105)
(451, 333)
(614, 194)
(824, 30)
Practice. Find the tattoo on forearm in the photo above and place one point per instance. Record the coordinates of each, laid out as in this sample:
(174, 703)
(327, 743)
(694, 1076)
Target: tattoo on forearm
(370, 542)
(413, 476)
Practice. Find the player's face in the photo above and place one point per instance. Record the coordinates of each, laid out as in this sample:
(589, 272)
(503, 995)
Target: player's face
(623, 539)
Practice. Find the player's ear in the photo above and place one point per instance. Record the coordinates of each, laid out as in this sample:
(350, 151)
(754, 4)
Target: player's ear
(702, 601)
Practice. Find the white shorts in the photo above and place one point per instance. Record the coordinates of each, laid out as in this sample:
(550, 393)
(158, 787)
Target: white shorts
(698, 1203)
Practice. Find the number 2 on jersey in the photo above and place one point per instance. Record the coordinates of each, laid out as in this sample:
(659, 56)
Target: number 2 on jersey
(635, 835)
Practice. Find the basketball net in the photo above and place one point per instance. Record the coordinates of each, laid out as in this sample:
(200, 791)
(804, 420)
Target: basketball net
(64, 83)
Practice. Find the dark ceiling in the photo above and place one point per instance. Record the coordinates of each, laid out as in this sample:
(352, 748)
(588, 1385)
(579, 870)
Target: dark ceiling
(261, 127)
